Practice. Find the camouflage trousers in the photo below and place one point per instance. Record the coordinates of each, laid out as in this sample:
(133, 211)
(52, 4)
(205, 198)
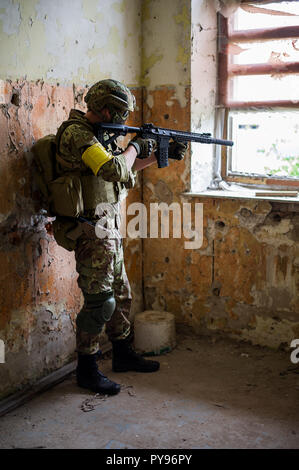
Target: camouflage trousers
(101, 268)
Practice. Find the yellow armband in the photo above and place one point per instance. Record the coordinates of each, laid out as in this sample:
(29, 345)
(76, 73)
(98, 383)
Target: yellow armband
(95, 156)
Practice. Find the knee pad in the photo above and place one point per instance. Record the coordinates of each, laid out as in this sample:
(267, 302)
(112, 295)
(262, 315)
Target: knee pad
(97, 310)
(107, 309)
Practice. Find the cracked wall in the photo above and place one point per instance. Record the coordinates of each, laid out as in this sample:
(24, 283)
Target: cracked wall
(39, 296)
(244, 280)
(51, 53)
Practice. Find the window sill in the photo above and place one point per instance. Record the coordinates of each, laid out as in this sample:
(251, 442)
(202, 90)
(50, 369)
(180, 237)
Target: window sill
(240, 194)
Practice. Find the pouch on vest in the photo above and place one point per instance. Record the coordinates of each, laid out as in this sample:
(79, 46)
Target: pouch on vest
(64, 230)
(66, 196)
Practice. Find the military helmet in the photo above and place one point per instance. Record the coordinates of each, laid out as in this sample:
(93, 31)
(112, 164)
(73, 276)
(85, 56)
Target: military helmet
(113, 94)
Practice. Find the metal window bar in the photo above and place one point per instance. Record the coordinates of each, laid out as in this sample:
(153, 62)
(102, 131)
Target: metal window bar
(226, 69)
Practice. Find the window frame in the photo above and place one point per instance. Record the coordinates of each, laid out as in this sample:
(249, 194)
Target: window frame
(226, 36)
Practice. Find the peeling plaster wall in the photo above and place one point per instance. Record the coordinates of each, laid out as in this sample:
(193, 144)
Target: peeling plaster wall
(166, 45)
(203, 89)
(179, 56)
(166, 73)
(39, 295)
(70, 41)
(51, 53)
(244, 280)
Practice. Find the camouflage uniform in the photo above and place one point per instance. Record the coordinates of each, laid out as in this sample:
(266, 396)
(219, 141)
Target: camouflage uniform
(99, 262)
(90, 174)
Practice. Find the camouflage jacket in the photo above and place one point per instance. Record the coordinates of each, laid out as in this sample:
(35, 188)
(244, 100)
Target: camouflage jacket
(78, 136)
(73, 140)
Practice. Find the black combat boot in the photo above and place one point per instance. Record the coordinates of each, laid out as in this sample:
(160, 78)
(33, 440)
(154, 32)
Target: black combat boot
(89, 376)
(125, 359)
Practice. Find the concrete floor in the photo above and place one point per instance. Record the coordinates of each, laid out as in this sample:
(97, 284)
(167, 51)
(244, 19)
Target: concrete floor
(209, 393)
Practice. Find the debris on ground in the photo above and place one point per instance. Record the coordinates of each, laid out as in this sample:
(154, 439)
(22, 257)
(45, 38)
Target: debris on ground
(89, 404)
(130, 390)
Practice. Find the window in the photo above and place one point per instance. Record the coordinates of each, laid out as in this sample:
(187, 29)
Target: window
(258, 92)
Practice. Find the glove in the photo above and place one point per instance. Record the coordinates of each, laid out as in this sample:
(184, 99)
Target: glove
(177, 150)
(144, 147)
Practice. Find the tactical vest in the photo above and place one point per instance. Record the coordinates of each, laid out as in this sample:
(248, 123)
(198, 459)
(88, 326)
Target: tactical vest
(95, 189)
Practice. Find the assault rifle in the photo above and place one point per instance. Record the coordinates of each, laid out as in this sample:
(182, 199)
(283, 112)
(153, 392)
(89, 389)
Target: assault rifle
(161, 135)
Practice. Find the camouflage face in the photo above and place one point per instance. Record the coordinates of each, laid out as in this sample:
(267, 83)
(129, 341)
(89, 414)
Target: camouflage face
(113, 94)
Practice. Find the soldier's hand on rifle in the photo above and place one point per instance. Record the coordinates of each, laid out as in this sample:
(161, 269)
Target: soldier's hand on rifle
(177, 150)
(144, 147)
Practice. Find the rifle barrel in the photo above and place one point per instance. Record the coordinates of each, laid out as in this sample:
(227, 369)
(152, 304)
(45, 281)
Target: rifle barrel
(197, 137)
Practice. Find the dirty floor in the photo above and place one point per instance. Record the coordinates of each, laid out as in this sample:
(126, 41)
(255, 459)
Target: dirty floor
(210, 393)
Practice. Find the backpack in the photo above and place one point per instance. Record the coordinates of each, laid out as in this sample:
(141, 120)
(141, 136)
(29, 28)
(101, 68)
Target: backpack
(62, 195)
(44, 151)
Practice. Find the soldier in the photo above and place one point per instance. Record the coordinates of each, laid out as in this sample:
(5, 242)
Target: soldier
(105, 176)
